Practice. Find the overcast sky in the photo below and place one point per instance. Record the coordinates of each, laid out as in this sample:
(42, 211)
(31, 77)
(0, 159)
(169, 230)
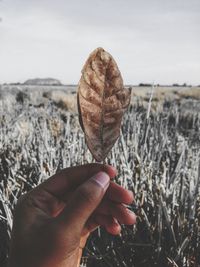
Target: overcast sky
(151, 40)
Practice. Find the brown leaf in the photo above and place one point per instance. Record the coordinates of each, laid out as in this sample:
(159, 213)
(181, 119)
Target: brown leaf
(102, 100)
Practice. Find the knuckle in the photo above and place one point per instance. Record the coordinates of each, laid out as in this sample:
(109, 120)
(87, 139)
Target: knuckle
(86, 194)
(21, 200)
(20, 208)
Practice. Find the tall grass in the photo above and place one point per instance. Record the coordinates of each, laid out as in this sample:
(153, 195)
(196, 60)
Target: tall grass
(157, 156)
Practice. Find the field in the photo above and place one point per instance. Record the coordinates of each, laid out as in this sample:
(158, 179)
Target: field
(157, 156)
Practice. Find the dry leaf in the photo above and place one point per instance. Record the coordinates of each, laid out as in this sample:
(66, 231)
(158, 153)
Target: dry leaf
(102, 100)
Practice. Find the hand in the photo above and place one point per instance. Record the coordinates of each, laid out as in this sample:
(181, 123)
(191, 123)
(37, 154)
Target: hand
(52, 221)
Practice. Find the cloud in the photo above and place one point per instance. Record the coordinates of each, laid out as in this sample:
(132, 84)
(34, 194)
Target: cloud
(151, 40)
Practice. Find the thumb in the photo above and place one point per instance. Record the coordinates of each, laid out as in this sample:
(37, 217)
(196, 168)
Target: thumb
(84, 201)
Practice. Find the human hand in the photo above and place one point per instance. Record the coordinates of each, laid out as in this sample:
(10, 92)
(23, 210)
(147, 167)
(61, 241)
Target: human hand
(52, 221)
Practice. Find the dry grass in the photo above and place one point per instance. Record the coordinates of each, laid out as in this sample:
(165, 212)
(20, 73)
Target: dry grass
(63, 100)
(192, 93)
(157, 157)
(161, 93)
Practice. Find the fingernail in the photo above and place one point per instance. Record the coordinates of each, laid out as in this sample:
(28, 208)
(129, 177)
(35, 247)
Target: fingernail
(132, 215)
(102, 179)
(114, 171)
(131, 195)
(115, 222)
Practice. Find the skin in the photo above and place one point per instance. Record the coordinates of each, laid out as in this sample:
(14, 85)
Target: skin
(53, 221)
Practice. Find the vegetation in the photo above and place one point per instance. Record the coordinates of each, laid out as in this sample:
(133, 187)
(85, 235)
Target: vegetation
(157, 156)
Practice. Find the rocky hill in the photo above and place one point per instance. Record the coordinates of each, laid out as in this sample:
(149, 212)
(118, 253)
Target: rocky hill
(43, 81)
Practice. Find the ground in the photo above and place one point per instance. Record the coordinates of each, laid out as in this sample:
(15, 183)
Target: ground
(157, 156)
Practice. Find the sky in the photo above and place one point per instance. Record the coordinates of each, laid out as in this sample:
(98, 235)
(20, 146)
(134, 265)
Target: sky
(151, 40)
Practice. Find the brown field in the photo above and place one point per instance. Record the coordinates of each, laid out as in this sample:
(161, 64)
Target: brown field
(157, 156)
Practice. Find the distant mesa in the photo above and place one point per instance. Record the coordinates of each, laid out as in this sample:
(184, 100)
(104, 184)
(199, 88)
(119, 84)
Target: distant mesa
(43, 81)
(145, 84)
